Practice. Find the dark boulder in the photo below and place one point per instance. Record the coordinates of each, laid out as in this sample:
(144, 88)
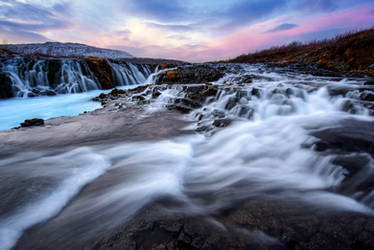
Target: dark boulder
(367, 96)
(222, 123)
(32, 122)
(54, 72)
(5, 86)
(369, 82)
(102, 71)
(48, 93)
(190, 74)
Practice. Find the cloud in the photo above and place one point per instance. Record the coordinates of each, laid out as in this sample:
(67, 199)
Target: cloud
(319, 5)
(19, 19)
(170, 27)
(21, 36)
(179, 37)
(159, 10)
(283, 26)
(193, 30)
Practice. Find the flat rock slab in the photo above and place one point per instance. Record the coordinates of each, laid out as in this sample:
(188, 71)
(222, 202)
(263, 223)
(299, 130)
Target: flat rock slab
(93, 128)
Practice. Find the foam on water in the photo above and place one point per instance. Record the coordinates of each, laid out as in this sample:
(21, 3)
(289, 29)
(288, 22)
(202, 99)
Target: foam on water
(79, 167)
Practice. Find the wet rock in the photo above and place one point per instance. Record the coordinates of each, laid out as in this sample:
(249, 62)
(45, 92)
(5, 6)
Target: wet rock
(246, 112)
(5, 86)
(231, 103)
(200, 93)
(190, 74)
(222, 123)
(320, 146)
(171, 75)
(116, 92)
(349, 107)
(181, 108)
(350, 136)
(218, 113)
(369, 82)
(47, 92)
(102, 71)
(36, 91)
(367, 96)
(188, 102)
(54, 72)
(164, 66)
(32, 122)
(256, 92)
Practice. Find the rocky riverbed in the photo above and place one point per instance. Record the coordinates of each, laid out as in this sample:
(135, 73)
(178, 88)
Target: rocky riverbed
(209, 156)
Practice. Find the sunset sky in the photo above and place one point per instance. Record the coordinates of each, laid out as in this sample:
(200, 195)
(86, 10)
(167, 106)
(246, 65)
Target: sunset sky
(192, 30)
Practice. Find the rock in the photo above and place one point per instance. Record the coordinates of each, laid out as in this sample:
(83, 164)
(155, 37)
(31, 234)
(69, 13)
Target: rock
(218, 113)
(256, 92)
(32, 122)
(231, 103)
(222, 123)
(54, 72)
(171, 75)
(320, 146)
(367, 96)
(181, 108)
(369, 82)
(102, 71)
(190, 74)
(5, 86)
(116, 92)
(47, 92)
(164, 66)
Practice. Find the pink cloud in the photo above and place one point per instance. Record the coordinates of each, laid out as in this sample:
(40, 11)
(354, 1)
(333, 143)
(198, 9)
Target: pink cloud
(248, 39)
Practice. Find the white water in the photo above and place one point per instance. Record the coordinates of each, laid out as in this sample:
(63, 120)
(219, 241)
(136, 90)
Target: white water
(39, 77)
(261, 155)
(81, 166)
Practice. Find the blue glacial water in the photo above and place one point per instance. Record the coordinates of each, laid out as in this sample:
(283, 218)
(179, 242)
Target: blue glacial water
(15, 110)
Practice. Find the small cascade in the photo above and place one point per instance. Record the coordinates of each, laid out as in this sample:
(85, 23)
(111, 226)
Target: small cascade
(25, 77)
(126, 73)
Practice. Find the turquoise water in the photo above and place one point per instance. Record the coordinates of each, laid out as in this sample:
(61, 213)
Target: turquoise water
(15, 110)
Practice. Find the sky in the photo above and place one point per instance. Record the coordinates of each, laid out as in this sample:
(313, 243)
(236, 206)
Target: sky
(190, 30)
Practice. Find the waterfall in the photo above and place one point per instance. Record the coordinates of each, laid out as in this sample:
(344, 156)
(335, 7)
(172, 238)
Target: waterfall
(28, 77)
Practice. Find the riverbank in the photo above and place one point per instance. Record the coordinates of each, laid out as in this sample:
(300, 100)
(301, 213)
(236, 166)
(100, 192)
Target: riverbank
(348, 53)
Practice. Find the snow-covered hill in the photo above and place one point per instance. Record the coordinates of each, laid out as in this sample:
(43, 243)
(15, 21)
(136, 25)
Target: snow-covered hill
(66, 50)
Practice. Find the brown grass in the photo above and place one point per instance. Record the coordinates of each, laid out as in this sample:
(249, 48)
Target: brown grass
(350, 52)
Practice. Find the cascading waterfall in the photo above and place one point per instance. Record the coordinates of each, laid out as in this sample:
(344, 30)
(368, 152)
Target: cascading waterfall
(267, 151)
(34, 77)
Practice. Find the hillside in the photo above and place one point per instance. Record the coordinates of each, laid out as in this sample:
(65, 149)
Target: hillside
(351, 52)
(57, 49)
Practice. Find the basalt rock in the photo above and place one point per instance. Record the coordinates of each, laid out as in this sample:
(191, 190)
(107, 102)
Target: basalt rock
(369, 82)
(5, 86)
(102, 70)
(32, 122)
(190, 74)
(367, 96)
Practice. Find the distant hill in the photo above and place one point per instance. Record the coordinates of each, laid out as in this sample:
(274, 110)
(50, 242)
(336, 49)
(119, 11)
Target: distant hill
(57, 49)
(350, 52)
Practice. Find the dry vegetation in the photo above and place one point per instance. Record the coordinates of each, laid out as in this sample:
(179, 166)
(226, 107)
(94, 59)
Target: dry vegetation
(352, 51)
